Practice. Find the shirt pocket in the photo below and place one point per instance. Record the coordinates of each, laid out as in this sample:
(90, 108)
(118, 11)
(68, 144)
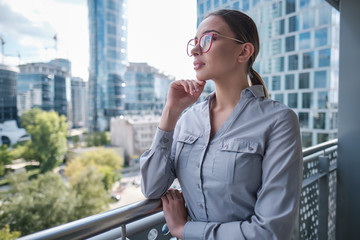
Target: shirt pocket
(185, 144)
(238, 161)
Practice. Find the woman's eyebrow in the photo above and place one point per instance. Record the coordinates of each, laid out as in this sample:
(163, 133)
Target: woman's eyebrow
(208, 31)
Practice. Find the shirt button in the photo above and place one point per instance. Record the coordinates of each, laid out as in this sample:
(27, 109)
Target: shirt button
(198, 165)
(201, 206)
(198, 186)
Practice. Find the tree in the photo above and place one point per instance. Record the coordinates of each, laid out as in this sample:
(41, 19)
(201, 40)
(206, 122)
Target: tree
(28, 118)
(5, 158)
(106, 162)
(39, 204)
(6, 234)
(48, 143)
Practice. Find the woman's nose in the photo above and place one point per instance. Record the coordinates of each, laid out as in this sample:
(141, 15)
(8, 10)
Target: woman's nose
(196, 50)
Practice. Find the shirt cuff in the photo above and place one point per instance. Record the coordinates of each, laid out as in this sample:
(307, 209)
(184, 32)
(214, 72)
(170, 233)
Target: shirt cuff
(194, 230)
(162, 139)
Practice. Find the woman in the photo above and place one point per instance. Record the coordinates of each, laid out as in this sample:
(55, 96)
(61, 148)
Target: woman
(237, 155)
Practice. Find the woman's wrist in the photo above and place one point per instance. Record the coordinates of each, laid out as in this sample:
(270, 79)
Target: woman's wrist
(169, 118)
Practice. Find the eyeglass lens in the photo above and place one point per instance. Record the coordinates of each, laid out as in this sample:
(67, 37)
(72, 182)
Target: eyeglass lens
(205, 43)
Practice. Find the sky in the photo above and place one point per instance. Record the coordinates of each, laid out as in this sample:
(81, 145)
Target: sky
(158, 31)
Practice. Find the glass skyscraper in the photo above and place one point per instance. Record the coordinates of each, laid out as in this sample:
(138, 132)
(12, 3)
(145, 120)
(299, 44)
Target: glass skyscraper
(8, 106)
(42, 85)
(298, 57)
(108, 60)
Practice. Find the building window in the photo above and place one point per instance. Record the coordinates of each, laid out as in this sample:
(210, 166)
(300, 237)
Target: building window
(320, 79)
(216, 3)
(201, 9)
(266, 82)
(279, 64)
(293, 24)
(304, 80)
(324, 15)
(208, 5)
(304, 119)
(322, 100)
(246, 5)
(308, 60)
(290, 81)
(276, 46)
(277, 9)
(333, 120)
(304, 3)
(305, 40)
(324, 57)
(322, 137)
(290, 44)
(293, 62)
(307, 100)
(279, 97)
(306, 139)
(276, 83)
(292, 100)
(290, 6)
(321, 37)
(308, 19)
(236, 6)
(319, 120)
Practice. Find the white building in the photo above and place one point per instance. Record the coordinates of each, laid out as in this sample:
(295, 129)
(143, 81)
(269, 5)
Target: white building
(133, 133)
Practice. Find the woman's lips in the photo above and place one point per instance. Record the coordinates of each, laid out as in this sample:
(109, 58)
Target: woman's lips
(198, 65)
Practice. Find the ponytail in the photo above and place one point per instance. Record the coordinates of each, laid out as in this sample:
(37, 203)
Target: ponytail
(257, 80)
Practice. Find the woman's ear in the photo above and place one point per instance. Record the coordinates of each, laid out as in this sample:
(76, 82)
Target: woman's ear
(246, 52)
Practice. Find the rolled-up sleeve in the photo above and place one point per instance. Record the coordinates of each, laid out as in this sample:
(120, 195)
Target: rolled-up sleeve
(277, 201)
(156, 166)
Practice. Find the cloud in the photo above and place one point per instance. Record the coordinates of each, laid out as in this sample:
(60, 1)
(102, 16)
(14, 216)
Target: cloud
(15, 24)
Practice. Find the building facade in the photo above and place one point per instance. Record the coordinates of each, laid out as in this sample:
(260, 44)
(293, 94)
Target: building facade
(108, 60)
(298, 59)
(79, 100)
(8, 105)
(43, 85)
(145, 89)
(134, 134)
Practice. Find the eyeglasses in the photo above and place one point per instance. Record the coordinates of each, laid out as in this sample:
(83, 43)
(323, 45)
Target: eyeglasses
(205, 42)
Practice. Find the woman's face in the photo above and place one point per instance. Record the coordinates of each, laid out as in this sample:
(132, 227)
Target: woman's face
(221, 60)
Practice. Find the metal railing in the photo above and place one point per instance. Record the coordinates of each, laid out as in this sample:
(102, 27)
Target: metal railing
(145, 220)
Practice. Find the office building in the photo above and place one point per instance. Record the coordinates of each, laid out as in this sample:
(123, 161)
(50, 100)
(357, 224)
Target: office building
(79, 100)
(298, 58)
(43, 85)
(8, 108)
(108, 60)
(145, 89)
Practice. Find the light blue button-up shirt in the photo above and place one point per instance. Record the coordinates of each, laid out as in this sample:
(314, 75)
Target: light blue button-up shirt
(245, 182)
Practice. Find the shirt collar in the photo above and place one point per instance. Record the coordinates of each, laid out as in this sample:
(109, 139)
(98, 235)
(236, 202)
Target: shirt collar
(252, 91)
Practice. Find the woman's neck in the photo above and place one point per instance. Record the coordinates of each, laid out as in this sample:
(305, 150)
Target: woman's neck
(228, 94)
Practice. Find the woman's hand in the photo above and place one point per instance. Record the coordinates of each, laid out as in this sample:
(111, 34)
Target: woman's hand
(175, 212)
(181, 94)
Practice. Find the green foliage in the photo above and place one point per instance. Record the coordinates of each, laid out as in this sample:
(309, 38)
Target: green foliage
(49, 201)
(76, 141)
(105, 161)
(5, 158)
(97, 139)
(48, 143)
(6, 234)
(39, 204)
(92, 196)
(28, 118)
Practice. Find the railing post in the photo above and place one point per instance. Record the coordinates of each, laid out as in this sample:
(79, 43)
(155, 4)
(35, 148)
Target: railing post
(123, 232)
(323, 197)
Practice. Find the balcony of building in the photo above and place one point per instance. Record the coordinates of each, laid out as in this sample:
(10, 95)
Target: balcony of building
(329, 205)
